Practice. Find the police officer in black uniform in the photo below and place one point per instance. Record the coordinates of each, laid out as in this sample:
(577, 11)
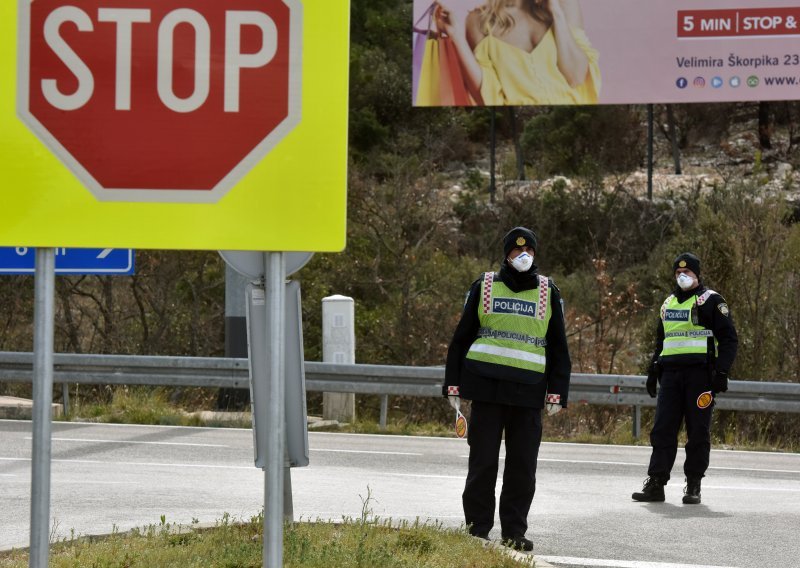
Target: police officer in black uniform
(695, 348)
(509, 357)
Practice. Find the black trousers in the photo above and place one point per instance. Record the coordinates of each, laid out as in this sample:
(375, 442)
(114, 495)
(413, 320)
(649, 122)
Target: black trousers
(677, 401)
(523, 434)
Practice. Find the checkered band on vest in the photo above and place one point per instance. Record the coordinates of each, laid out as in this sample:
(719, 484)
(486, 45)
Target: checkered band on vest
(544, 295)
(665, 304)
(488, 278)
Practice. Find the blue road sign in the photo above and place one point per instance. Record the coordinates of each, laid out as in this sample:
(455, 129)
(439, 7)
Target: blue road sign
(21, 260)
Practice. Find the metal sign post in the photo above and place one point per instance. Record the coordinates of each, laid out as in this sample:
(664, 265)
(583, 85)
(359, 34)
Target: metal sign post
(43, 325)
(274, 277)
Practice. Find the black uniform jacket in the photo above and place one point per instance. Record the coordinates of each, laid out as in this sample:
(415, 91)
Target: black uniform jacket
(715, 315)
(473, 386)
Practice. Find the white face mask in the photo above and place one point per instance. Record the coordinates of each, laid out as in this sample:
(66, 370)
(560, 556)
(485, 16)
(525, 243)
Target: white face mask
(684, 281)
(523, 262)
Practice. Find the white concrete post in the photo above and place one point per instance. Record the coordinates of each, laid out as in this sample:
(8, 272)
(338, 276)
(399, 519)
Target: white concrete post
(338, 346)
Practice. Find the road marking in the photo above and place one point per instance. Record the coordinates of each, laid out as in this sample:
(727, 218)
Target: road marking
(755, 469)
(620, 563)
(592, 462)
(366, 452)
(645, 465)
(92, 482)
(751, 488)
(649, 448)
(582, 461)
(146, 464)
(136, 442)
(429, 476)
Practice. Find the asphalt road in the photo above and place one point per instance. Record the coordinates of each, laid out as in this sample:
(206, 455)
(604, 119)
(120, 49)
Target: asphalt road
(106, 476)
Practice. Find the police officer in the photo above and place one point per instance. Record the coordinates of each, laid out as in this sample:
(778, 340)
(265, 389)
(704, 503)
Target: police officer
(695, 348)
(509, 357)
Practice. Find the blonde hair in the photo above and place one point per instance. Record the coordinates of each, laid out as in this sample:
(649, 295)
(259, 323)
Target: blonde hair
(495, 16)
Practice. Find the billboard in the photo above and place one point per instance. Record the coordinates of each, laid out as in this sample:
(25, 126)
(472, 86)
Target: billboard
(564, 52)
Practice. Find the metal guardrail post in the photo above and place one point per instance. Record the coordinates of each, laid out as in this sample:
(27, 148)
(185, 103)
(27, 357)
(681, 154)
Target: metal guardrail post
(637, 421)
(65, 397)
(384, 410)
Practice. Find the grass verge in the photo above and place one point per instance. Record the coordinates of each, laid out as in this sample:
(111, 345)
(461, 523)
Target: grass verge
(348, 544)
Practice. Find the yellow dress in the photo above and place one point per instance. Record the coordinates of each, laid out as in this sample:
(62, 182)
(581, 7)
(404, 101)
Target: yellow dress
(513, 76)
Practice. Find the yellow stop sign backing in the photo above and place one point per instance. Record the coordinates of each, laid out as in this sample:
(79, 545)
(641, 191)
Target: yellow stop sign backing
(175, 125)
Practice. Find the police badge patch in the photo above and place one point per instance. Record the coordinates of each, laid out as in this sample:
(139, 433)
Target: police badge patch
(723, 309)
(520, 241)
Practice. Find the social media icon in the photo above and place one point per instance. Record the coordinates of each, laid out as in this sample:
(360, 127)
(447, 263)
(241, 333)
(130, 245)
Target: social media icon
(752, 81)
(717, 82)
(699, 82)
(682, 82)
(735, 81)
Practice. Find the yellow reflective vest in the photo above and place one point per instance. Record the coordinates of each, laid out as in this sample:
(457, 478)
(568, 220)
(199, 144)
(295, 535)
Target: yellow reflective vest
(682, 333)
(513, 326)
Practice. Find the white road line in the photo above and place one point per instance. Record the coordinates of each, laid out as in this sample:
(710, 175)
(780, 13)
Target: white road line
(135, 442)
(592, 462)
(610, 563)
(649, 448)
(714, 467)
(754, 469)
(366, 452)
(582, 461)
(461, 477)
(91, 482)
(750, 488)
(145, 464)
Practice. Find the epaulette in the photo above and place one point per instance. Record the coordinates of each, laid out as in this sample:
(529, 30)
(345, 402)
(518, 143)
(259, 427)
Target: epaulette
(701, 299)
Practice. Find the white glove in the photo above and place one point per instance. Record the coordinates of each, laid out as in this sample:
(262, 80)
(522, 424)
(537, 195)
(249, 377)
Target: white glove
(553, 408)
(455, 401)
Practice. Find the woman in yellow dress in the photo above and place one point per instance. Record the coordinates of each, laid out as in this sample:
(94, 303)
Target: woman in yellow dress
(524, 52)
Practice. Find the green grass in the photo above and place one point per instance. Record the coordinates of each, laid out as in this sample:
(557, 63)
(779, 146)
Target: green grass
(137, 405)
(348, 544)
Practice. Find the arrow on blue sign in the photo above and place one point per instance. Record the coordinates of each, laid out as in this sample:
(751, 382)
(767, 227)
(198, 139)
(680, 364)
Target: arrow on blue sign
(21, 260)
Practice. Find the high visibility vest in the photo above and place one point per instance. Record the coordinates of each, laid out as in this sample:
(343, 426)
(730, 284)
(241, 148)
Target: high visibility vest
(513, 326)
(683, 335)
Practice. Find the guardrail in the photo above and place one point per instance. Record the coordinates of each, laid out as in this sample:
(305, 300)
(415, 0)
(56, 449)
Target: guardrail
(385, 380)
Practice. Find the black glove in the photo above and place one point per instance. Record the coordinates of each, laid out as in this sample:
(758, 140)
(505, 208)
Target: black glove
(652, 381)
(719, 382)
(653, 378)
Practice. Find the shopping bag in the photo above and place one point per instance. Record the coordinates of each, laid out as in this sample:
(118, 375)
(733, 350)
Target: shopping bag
(445, 76)
(458, 88)
(437, 76)
(429, 75)
(420, 36)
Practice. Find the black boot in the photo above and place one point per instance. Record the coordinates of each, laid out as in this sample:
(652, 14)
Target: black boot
(518, 543)
(691, 494)
(653, 490)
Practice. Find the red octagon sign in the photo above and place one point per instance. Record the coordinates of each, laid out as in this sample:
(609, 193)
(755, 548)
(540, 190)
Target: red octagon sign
(160, 100)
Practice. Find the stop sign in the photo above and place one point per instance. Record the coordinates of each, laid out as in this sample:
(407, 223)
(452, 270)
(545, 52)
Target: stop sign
(159, 100)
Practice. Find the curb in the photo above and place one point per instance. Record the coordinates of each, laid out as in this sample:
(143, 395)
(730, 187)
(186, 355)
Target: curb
(14, 408)
(516, 554)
